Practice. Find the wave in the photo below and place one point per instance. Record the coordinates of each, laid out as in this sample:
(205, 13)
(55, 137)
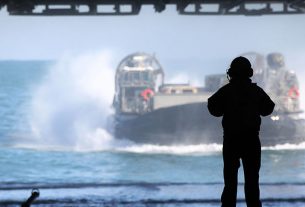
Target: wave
(85, 200)
(143, 194)
(287, 146)
(10, 186)
(295, 202)
(201, 149)
(174, 149)
(126, 146)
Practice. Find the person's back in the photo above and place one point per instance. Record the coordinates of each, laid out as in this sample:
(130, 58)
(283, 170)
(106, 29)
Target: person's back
(241, 103)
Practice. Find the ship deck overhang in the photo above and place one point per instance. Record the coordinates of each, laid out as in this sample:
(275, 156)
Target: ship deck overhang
(133, 7)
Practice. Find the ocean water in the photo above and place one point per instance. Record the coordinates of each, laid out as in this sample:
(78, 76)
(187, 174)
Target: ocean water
(56, 135)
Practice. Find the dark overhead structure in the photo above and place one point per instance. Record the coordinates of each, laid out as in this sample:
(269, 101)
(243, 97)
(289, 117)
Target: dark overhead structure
(133, 7)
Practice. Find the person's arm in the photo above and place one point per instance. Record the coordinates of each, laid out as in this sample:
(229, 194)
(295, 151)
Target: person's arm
(215, 104)
(266, 105)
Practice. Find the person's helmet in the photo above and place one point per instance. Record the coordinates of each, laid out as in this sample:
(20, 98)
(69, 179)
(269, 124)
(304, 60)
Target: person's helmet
(240, 67)
(275, 60)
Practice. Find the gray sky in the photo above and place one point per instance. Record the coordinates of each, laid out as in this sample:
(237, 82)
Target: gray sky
(169, 35)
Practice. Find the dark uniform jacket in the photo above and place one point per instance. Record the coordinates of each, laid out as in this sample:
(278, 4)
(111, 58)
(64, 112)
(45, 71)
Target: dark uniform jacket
(241, 103)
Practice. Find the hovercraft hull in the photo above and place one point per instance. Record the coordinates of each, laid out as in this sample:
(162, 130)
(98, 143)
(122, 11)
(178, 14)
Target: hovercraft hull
(192, 124)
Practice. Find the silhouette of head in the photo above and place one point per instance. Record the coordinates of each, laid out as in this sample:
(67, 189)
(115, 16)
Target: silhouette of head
(240, 68)
(275, 60)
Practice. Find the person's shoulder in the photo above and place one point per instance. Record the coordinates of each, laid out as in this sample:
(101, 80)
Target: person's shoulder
(221, 91)
(255, 86)
(226, 86)
(258, 89)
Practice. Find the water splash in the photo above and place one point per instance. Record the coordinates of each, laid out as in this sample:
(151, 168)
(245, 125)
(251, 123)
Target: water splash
(72, 107)
(287, 146)
(201, 149)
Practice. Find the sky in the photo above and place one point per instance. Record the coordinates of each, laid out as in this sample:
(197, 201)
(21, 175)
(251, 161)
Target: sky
(210, 40)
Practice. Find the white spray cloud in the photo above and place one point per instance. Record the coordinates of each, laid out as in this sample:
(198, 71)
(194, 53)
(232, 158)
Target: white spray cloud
(200, 149)
(300, 146)
(71, 108)
(184, 78)
(296, 62)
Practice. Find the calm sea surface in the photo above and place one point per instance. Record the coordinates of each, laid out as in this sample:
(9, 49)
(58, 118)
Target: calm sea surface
(55, 136)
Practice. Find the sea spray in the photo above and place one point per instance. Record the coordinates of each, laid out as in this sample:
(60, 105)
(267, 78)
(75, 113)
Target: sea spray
(287, 146)
(200, 149)
(295, 62)
(72, 107)
(184, 78)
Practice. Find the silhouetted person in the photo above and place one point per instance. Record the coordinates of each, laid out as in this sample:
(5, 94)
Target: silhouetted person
(241, 103)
